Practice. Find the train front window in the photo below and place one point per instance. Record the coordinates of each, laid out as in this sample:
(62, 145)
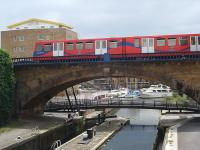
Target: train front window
(79, 45)
(113, 44)
(69, 46)
(183, 41)
(136, 43)
(39, 47)
(48, 47)
(88, 45)
(171, 41)
(160, 42)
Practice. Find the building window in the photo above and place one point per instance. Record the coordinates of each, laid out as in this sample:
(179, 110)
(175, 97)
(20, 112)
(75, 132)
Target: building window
(19, 49)
(160, 42)
(14, 38)
(136, 43)
(22, 48)
(79, 45)
(41, 37)
(51, 26)
(183, 41)
(49, 37)
(21, 38)
(42, 27)
(25, 27)
(69, 46)
(89, 45)
(113, 44)
(14, 49)
(171, 41)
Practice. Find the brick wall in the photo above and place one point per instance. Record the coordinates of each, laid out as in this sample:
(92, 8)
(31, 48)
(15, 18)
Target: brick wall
(20, 43)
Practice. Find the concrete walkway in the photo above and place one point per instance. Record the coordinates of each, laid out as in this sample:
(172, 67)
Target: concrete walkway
(29, 129)
(189, 134)
(184, 133)
(36, 126)
(103, 132)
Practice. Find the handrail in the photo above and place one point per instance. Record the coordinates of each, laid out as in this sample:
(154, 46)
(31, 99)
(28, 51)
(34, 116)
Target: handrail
(119, 103)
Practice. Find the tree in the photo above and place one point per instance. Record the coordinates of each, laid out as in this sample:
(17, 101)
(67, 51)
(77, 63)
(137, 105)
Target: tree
(7, 86)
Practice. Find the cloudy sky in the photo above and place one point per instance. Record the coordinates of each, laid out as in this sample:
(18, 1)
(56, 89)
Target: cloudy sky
(109, 18)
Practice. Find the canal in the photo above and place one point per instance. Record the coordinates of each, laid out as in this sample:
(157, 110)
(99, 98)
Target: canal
(139, 135)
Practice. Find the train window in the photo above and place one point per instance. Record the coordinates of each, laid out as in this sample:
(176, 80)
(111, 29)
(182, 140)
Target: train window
(79, 45)
(193, 40)
(97, 44)
(150, 42)
(89, 45)
(39, 47)
(182, 41)
(171, 41)
(48, 47)
(104, 44)
(160, 42)
(198, 40)
(144, 42)
(69, 46)
(136, 43)
(113, 44)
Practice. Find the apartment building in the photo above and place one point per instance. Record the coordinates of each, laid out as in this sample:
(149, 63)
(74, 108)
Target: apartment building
(20, 38)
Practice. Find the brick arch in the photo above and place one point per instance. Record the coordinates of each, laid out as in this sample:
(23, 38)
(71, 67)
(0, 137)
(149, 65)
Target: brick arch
(37, 84)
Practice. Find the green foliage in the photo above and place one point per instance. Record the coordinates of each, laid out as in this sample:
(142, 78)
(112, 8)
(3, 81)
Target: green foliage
(176, 98)
(7, 84)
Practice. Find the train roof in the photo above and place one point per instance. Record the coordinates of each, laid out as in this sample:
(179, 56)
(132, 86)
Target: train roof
(114, 38)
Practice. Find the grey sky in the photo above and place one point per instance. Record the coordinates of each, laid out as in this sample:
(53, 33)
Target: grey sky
(108, 18)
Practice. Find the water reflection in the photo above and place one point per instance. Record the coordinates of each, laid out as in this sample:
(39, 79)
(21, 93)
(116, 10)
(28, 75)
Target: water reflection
(140, 116)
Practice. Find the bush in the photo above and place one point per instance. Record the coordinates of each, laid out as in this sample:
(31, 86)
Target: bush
(7, 85)
(176, 98)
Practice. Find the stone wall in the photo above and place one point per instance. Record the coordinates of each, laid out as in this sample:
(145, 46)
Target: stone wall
(44, 141)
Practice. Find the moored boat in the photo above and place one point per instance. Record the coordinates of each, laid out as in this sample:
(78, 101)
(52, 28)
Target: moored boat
(156, 91)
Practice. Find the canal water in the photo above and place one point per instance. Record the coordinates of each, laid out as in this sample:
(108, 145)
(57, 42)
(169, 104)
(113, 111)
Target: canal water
(139, 135)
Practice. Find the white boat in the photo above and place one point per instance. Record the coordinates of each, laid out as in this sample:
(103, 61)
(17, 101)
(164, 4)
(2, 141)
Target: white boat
(156, 91)
(117, 92)
(113, 93)
(130, 94)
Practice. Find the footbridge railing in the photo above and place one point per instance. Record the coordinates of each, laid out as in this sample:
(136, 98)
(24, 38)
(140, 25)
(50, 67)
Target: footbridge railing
(121, 103)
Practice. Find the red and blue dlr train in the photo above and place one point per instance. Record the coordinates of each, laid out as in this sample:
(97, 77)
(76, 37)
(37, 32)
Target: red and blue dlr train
(136, 45)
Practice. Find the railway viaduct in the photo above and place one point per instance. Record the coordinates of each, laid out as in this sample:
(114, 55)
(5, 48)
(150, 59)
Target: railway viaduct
(36, 84)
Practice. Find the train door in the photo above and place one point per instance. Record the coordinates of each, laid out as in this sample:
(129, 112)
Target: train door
(147, 45)
(100, 47)
(58, 49)
(195, 43)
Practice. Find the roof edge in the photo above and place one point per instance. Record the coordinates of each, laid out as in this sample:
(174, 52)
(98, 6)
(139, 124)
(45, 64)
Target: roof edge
(39, 20)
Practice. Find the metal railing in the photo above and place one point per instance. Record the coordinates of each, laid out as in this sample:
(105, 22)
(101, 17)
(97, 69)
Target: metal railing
(149, 57)
(121, 103)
